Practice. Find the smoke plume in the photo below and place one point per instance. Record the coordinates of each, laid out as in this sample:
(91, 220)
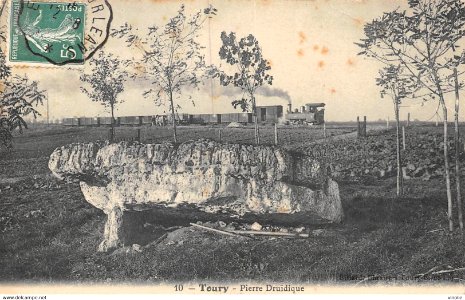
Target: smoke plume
(273, 92)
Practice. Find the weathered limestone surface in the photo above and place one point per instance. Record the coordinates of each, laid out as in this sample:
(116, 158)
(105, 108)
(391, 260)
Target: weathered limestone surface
(212, 176)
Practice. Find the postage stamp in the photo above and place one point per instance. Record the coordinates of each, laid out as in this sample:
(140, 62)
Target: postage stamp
(43, 32)
(56, 32)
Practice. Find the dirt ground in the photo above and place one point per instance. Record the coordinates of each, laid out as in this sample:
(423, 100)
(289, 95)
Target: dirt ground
(50, 233)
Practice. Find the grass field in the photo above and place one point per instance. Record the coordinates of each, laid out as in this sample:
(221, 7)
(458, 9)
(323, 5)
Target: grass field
(50, 233)
(287, 135)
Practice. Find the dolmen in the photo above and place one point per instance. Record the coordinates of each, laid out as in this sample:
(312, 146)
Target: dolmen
(211, 176)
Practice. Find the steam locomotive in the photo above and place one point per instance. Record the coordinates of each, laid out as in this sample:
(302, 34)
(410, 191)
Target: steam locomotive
(310, 113)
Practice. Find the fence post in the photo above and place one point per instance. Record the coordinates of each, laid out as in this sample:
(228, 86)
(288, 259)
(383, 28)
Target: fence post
(219, 134)
(324, 130)
(138, 135)
(275, 134)
(358, 126)
(408, 119)
(364, 126)
(403, 136)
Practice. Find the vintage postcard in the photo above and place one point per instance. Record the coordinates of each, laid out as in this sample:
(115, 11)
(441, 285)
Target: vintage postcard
(246, 147)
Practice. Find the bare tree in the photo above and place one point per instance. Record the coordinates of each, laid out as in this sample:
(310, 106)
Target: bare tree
(398, 86)
(457, 149)
(251, 71)
(105, 81)
(171, 56)
(423, 43)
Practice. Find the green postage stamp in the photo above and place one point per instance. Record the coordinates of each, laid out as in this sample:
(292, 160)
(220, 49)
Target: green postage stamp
(47, 32)
(56, 32)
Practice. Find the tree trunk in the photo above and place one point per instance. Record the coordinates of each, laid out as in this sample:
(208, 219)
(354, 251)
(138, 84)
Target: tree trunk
(173, 117)
(257, 134)
(446, 166)
(256, 131)
(457, 152)
(112, 134)
(400, 181)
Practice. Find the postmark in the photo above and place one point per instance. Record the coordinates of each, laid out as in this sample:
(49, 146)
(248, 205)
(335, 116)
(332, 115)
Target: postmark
(57, 33)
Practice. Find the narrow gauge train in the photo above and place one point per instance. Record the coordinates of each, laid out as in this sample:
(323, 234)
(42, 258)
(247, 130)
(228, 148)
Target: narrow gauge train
(309, 114)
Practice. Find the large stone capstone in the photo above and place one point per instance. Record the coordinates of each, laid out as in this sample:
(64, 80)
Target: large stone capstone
(212, 176)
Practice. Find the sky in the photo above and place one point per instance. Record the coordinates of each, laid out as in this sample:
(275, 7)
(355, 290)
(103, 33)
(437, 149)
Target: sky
(309, 43)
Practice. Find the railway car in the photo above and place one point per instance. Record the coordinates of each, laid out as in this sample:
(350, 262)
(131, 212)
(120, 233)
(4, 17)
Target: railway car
(70, 122)
(211, 118)
(310, 113)
(205, 119)
(95, 121)
(106, 121)
(236, 117)
(196, 119)
(146, 120)
(226, 118)
(269, 114)
(180, 118)
(244, 117)
(129, 121)
(84, 121)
